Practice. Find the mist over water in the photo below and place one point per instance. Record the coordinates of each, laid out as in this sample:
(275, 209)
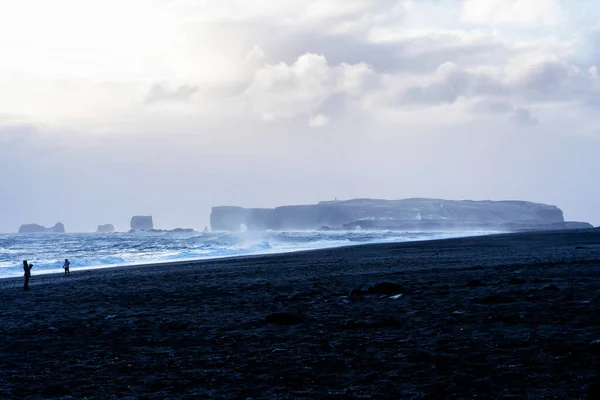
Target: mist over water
(88, 250)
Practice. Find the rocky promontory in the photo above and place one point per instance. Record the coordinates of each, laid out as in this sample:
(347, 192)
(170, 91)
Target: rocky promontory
(106, 228)
(141, 223)
(35, 228)
(417, 214)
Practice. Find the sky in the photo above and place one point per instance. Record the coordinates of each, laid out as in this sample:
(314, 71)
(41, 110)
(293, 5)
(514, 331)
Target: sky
(115, 108)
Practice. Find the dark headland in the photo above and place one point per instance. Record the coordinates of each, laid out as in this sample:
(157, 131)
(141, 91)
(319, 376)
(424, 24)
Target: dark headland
(417, 214)
(512, 316)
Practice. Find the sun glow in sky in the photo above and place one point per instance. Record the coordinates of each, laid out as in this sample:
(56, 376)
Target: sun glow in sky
(85, 39)
(108, 108)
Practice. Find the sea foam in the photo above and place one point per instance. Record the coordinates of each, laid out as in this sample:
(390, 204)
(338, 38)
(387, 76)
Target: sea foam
(90, 250)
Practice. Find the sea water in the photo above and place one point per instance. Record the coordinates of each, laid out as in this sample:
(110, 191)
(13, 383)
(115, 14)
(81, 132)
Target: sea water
(48, 251)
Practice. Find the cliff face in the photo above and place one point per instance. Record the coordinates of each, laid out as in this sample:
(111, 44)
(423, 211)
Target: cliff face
(407, 214)
(228, 218)
(141, 223)
(107, 228)
(35, 228)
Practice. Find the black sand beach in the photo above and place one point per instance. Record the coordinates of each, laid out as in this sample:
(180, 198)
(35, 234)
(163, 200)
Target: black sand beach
(498, 317)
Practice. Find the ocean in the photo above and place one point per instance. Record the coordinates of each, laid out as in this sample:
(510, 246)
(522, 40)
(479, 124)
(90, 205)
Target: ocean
(94, 250)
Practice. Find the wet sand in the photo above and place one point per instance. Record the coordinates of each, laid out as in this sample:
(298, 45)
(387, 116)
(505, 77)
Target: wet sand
(497, 317)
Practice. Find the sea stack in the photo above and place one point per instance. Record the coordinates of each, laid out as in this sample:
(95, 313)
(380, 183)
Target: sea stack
(141, 223)
(107, 228)
(35, 228)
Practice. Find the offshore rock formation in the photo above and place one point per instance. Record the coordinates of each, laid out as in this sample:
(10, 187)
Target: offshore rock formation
(107, 228)
(35, 228)
(405, 215)
(141, 223)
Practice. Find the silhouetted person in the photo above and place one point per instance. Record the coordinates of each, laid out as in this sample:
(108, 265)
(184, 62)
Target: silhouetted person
(66, 267)
(27, 269)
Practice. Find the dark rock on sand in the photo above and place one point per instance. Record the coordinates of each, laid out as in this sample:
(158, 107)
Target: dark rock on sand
(386, 288)
(550, 288)
(284, 318)
(355, 294)
(534, 297)
(359, 291)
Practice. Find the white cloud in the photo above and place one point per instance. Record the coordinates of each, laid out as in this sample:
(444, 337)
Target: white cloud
(255, 54)
(160, 92)
(516, 115)
(512, 11)
(492, 106)
(216, 53)
(71, 38)
(451, 82)
(318, 120)
(523, 117)
(329, 15)
(410, 85)
(283, 90)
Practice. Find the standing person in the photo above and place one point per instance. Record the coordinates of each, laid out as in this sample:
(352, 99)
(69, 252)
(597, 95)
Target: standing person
(27, 269)
(66, 267)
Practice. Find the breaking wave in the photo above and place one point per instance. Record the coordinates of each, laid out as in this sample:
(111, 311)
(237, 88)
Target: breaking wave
(91, 250)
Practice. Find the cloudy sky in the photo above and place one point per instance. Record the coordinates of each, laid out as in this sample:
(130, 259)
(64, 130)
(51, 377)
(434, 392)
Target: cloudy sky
(167, 107)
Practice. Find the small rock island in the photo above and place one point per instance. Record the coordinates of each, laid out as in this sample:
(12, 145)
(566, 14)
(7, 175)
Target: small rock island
(106, 228)
(35, 228)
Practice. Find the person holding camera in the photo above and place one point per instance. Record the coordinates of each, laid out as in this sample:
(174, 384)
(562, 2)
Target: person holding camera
(27, 268)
